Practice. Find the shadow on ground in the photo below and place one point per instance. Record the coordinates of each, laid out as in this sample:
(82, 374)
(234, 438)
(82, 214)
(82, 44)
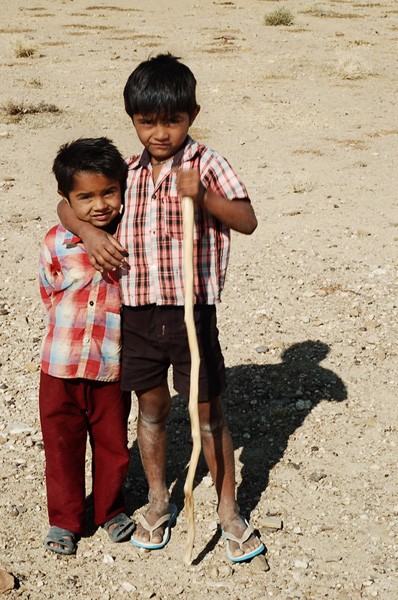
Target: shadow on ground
(264, 405)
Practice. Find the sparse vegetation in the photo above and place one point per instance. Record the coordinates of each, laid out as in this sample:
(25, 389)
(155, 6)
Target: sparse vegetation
(23, 49)
(280, 16)
(318, 11)
(16, 110)
(36, 83)
(302, 185)
(352, 66)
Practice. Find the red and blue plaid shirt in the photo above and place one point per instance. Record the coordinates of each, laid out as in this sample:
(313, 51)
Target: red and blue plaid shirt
(83, 337)
(151, 230)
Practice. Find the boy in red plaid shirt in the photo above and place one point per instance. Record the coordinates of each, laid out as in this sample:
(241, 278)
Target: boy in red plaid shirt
(80, 390)
(160, 99)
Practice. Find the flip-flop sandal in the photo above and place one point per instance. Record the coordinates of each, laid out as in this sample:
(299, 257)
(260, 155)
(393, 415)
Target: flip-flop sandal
(123, 530)
(246, 535)
(56, 535)
(170, 519)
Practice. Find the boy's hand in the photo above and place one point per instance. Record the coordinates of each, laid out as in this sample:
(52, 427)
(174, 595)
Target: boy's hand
(103, 250)
(189, 184)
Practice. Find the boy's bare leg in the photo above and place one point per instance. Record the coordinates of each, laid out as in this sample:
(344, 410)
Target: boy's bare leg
(154, 407)
(219, 453)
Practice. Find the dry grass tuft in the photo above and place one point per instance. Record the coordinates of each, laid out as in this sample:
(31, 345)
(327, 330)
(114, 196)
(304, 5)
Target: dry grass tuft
(17, 110)
(114, 8)
(352, 66)
(280, 16)
(23, 49)
(35, 83)
(317, 11)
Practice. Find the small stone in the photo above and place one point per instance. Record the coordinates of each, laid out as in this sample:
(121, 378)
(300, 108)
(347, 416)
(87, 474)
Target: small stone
(208, 481)
(213, 526)
(303, 404)
(301, 564)
(128, 587)
(354, 312)
(272, 523)
(17, 428)
(333, 558)
(225, 571)
(214, 573)
(260, 563)
(297, 530)
(262, 349)
(14, 512)
(108, 560)
(305, 319)
(317, 477)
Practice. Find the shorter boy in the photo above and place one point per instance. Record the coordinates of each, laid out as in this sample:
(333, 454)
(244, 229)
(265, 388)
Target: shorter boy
(80, 368)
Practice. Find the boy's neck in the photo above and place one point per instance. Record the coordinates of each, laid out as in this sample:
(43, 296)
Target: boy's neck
(155, 163)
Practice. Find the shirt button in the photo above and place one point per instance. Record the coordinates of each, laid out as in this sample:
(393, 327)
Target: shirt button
(91, 303)
(86, 340)
(154, 197)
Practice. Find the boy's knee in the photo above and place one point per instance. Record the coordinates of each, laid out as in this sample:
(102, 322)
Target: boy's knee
(212, 426)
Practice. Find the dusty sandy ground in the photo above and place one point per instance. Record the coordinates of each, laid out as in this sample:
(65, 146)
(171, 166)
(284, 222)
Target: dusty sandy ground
(307, 115)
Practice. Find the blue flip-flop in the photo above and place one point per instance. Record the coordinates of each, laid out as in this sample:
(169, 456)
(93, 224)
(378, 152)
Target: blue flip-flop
(169, 518)
(246, 535)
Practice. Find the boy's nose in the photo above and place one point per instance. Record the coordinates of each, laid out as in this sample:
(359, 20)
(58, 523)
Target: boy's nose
(99, 203)
(161, 132)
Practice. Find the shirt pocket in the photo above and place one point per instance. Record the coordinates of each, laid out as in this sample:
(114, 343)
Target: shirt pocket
(173, 219)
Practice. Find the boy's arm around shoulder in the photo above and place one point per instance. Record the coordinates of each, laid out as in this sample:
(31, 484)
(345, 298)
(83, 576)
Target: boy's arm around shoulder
(103, 250)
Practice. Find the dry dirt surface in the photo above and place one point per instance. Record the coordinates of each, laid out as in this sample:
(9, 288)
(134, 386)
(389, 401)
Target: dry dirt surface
(307, 115)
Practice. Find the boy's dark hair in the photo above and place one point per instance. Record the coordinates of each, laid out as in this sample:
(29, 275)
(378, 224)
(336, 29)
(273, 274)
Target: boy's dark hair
(160, 86)
(93, 155)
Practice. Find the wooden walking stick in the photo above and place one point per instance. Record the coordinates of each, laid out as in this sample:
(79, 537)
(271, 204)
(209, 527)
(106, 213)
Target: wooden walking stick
(188, 221)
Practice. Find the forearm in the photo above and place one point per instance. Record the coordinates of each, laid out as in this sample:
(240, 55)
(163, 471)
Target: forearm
(103, 250)
(235, 214)
(69, 220)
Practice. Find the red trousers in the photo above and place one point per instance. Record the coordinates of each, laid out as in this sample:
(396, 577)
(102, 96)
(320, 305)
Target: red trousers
(69, 410)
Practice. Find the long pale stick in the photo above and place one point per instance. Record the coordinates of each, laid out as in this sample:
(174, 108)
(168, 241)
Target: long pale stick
(188, 220)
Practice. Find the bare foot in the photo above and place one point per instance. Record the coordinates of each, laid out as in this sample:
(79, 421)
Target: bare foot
(156, 510)
(237, 527)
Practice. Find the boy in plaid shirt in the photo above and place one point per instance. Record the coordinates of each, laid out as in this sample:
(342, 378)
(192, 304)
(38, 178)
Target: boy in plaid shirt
(80, 390)
(160, 99)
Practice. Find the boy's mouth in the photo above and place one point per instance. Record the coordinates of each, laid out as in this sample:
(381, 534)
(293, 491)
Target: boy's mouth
(102, 216)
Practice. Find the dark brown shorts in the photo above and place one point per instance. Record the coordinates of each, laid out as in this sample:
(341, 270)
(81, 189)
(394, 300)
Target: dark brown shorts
(155, 337)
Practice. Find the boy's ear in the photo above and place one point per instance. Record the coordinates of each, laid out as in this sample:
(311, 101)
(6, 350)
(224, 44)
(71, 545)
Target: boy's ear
(195, 114)
(63, 197)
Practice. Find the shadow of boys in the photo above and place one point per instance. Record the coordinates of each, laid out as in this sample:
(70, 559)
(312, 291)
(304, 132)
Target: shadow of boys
(264, 405)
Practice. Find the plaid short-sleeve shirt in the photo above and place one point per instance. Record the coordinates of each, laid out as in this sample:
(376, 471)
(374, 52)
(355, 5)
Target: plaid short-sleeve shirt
(83, 338)
(151, 230)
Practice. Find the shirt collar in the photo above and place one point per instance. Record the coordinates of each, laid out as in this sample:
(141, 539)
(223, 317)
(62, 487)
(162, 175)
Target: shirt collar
(185, 154)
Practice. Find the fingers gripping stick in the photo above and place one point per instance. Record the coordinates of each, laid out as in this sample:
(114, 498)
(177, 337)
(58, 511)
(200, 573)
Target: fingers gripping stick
(188, 220)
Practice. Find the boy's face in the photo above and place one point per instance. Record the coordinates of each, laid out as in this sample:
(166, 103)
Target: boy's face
(95, 198)
(162, 136)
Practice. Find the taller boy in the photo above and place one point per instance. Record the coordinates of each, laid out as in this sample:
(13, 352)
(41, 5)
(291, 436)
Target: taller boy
(160, 99)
